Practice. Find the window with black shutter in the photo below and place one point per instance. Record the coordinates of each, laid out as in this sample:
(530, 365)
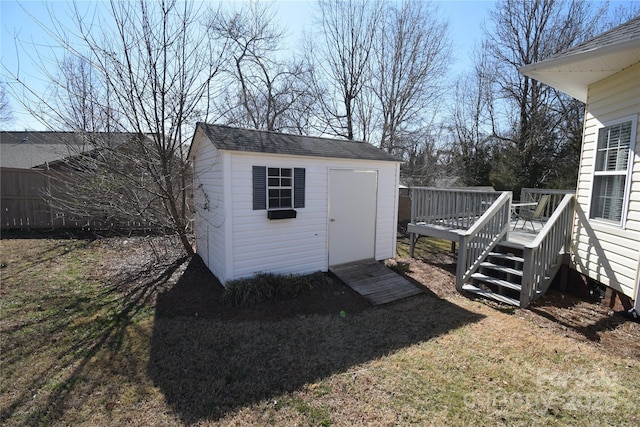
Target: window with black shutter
(278, 190)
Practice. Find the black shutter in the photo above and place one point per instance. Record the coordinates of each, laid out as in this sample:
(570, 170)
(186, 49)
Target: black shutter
(298, 187)
(259, 187)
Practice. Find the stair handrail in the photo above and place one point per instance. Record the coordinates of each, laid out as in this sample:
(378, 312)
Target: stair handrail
(476, 242)
(542, 257)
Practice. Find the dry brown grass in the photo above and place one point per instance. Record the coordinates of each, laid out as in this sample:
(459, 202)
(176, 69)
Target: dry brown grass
(89, 338)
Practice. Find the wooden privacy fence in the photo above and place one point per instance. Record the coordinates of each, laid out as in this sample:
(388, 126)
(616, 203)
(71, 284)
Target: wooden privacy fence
(24, 207)
(21, 199)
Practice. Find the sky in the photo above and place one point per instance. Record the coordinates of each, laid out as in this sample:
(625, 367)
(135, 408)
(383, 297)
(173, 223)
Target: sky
(17, 23)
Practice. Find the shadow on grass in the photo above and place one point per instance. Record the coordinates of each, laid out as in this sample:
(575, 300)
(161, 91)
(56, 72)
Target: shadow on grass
(208, 368)
(67, 330)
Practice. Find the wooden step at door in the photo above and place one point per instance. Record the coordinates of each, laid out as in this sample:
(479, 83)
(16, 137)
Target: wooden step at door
(374, 281)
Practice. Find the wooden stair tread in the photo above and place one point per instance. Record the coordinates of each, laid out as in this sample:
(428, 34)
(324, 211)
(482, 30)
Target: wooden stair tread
(494, 281)
(507, 257)
(491, 295)
(501, 268)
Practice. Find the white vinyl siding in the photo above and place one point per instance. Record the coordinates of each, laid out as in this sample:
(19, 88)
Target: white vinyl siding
(299, 245)
(295, 245)
(607, 246)
(210, 207)
(387, 212)
(236, 241)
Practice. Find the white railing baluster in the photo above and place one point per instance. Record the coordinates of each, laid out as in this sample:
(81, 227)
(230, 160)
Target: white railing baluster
(482, 237)
(452, 208)
(542, 256)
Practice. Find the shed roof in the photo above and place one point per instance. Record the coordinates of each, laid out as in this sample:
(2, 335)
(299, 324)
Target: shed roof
(26, 149)
(573, 70)
(256, 141)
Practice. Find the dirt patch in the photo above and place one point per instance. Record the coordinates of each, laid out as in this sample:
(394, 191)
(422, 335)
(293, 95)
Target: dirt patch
(192, 291)
(575, 313)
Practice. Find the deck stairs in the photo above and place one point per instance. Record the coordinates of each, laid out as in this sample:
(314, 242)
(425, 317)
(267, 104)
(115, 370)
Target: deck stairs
(496, 261)
(499, 276)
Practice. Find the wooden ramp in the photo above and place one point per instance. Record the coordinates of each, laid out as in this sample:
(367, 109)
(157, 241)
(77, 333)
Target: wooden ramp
(374, 281)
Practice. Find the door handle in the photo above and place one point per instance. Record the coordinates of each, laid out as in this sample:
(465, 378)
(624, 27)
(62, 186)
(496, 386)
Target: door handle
(332, 219)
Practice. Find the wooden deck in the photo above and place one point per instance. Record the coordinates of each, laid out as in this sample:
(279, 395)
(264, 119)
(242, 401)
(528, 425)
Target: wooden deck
(374, 281)
(522, 235)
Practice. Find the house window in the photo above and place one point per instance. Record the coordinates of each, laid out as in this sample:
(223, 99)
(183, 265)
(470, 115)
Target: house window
(280, 187)
(611, 173)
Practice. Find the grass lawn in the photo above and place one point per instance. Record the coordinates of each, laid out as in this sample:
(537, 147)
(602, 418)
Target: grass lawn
(94, 332)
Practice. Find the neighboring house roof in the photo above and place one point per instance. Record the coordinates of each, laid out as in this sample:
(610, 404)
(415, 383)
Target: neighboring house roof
(575, 69)
(256, 141)
(25, 149)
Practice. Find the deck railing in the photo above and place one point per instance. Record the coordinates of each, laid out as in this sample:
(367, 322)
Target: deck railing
(555, 197)
(482, 237)
(543, 256)
(449, 207)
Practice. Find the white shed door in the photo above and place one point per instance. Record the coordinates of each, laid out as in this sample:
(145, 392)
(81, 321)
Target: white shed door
(352, 215)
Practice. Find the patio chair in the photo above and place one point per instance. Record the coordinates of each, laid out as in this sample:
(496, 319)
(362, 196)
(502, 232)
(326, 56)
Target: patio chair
(532, 215)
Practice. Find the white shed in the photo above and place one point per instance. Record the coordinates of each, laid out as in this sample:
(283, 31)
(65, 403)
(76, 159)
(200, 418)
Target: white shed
(273, 202)
(604, 72)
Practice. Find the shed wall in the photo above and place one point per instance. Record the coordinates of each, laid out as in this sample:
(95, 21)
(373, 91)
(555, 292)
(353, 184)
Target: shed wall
(606, 252)
(210, 206)
(299, 245)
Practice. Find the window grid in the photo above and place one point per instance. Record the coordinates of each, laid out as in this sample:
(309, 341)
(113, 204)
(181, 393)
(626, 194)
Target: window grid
(610, 175)
(280, 188)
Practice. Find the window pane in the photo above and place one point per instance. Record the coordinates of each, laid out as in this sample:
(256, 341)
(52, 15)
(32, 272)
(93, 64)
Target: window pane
(613, 147)
(280, 183)
(608, 197)
(274, 203)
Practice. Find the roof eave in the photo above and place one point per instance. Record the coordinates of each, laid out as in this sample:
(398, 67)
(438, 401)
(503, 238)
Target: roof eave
(554, 72)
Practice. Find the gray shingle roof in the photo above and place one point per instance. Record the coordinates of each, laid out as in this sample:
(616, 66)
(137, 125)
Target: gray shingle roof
(25, 149)
(249, 140)
(626, 32)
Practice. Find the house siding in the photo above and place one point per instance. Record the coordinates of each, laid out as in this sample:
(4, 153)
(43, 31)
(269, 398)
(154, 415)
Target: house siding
(299, 245)
(605, 252)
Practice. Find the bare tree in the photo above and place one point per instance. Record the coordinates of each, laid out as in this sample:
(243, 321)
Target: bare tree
(5, 107)
(342, 53)
(262, 88)
(525, 32)
(472, 124)
(411, 58)
(81, 97)
(157, 69)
